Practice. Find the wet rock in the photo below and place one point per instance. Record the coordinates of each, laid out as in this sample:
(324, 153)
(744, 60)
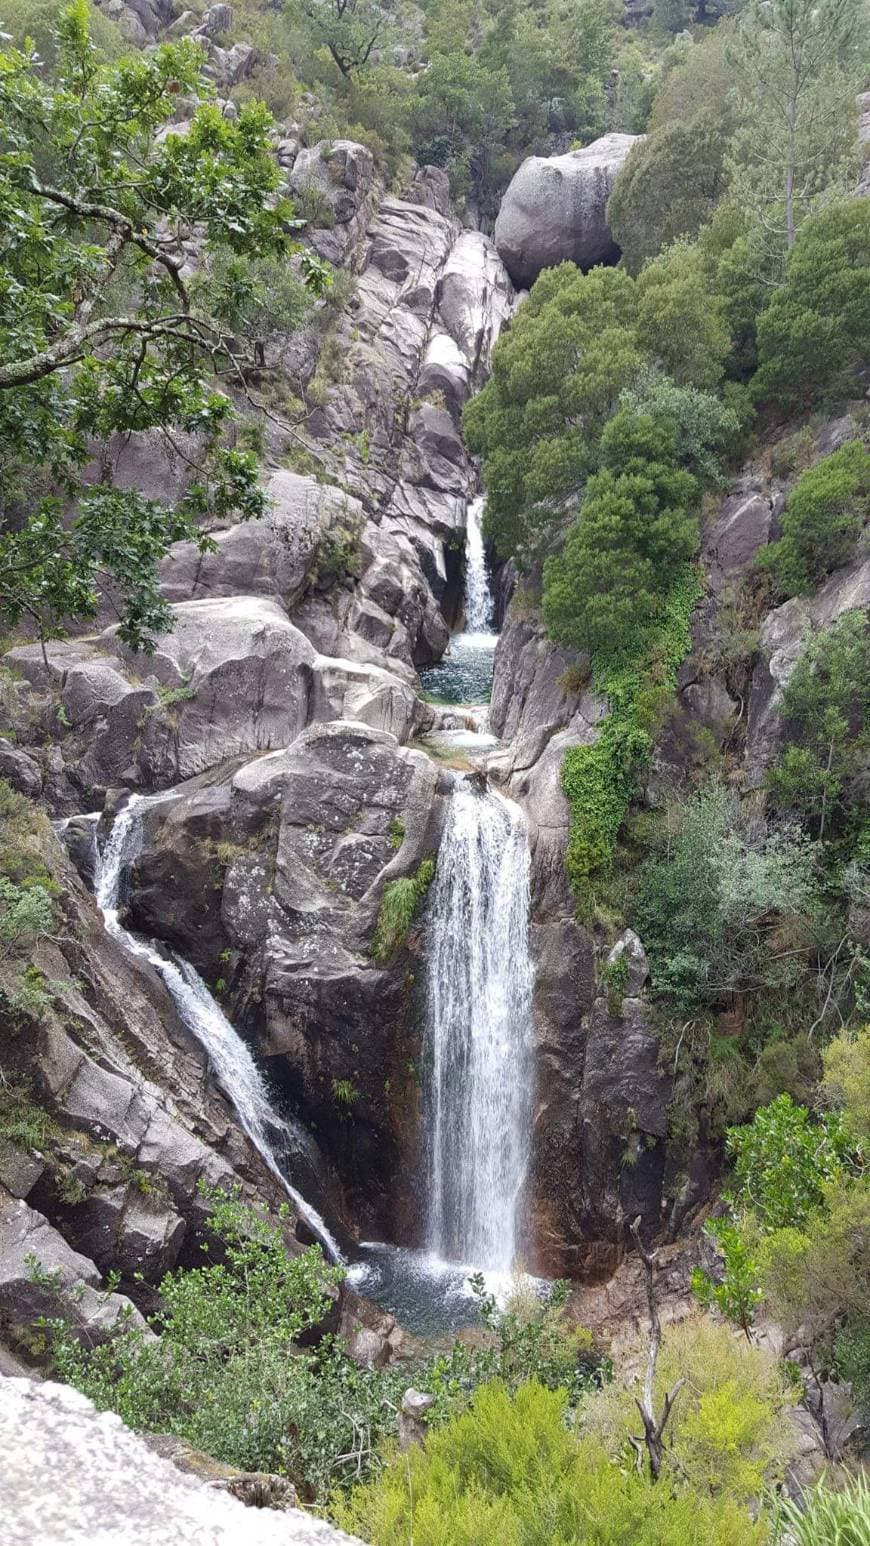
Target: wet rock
(555, 209)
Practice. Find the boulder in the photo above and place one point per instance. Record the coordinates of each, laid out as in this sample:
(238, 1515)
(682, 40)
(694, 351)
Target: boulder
(70, 1473)
(284, 869)
(555, 209)
(40, 1275)
(19, 770)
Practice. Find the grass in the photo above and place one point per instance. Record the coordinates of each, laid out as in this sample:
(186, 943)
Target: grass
(399, 903)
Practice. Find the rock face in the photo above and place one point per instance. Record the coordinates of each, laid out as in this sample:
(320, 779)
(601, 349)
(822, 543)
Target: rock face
(72, 1474)
(555, 210)
(280, 871)
(132, 1124)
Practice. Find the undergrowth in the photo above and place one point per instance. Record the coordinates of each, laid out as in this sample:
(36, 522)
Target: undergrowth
(600, 780)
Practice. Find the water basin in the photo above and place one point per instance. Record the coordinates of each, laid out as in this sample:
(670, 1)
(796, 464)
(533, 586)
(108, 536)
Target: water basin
(428, 1296)
(464, 674)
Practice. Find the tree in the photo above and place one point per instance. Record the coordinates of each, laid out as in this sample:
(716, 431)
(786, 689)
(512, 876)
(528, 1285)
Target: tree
(817, 325)
(461, 114)
(798, 62)
(100, 331)
(679, 318)
(826, 712)
(634, 532)
(736, 1294)
(783, 1161)
(557, 375)
(349, 29)
(672, 182)
(706, 428)
(825, 515)
(668, 187)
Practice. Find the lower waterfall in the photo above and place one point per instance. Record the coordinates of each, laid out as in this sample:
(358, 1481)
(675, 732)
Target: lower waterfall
(479, 1031)
(231, 1059)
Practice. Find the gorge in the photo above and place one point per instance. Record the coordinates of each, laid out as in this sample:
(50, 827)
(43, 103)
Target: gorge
(433, 768)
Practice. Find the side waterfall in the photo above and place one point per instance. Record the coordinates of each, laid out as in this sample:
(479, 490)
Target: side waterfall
(478, 596)
(230, 1057)
(479, 1030)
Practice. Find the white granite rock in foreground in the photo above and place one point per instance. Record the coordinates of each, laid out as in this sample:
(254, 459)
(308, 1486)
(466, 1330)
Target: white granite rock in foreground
(73, 1476)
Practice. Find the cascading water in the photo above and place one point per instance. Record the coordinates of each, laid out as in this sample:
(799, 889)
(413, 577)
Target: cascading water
(230, 1057)
(479, 604)
(479, 1030)
(464, 675)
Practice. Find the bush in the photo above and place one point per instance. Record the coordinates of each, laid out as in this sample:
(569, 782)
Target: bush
(846, 1082)
(818, 321)
(508, 1472)
(824, 517)
(783, 1162)
(227, 1373)
(526, 1338)
(399, 903)
(826, 712)
(712, 910)
(706, 428)
(726, 1435)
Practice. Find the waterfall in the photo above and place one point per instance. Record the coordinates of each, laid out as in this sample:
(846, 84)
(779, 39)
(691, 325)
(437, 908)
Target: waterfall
(478, 596)
(479, 1030)
(230, 1057)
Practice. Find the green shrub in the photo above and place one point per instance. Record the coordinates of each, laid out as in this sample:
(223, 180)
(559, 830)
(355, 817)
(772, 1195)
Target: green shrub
(632, 538)
(824, 517)
(826, 712)
(525, 1338)
(508, 1472)
(712, 910)
(783, 1161)
(399, 903)
(227, 1373)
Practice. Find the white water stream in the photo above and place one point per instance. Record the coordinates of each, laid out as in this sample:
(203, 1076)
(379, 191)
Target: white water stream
(479, 1030)
(229, 1055)
(479, 604)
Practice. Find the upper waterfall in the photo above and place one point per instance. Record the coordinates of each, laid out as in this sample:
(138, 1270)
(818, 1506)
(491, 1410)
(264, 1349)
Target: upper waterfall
(479, 1031)
(479, 605)
(231, 1058)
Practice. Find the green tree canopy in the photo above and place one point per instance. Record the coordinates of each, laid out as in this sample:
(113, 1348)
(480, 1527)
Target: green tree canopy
(825, 515)
(100, 330)
(634, 533)
(817, 324)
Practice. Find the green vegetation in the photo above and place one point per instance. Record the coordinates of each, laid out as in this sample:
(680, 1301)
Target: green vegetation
(228, 1372)
(825, 515)
(827, 1516)
(99, 333)
(399, 903)
(795, 1242)
(816, 326)
(600, 780)
(713, 906)
(826, 709)
(520, 1468)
